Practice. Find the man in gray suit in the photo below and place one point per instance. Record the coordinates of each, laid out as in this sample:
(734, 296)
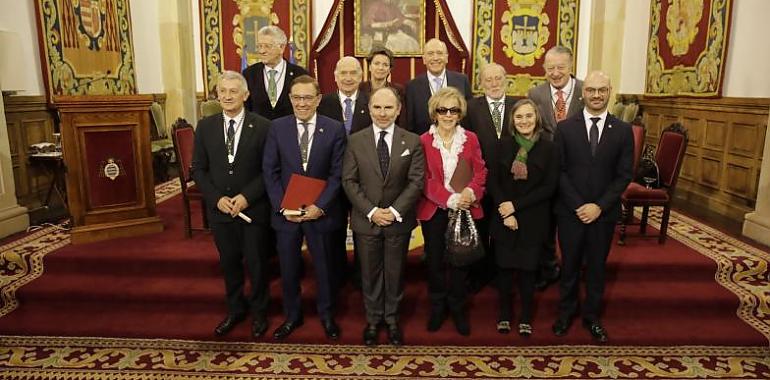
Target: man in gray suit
(382, 174)
(557, 100)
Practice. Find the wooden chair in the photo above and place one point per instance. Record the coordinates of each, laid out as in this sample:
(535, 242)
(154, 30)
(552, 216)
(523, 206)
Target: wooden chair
(637, 128)
(669, 157)
(184, 140)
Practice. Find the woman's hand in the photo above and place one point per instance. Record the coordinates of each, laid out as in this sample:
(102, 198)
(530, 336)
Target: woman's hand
(511, 223)
(505, 209)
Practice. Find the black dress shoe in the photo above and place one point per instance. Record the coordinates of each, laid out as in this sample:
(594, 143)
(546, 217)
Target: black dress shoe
(561, 326)
(331, 329)
(596, 330)
(286, 329)
(370, 335)
(258, 327)
(436, 319)
(228, 324)
(395, 336)
(461, 323)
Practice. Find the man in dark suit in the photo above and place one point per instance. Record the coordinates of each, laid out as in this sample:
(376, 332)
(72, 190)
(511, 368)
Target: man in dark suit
(596, 151)
(383, 177)
(269, 80)
(422, 87)
(350, 106)
(488, 117)
(311, 145)
(559, 98)
(227, 167)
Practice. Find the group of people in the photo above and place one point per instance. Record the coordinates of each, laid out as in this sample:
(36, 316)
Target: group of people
(553, 164)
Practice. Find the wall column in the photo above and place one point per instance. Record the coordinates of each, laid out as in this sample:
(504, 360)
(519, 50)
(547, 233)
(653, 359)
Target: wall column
(756, 224)
(13, 218)
(178, 59)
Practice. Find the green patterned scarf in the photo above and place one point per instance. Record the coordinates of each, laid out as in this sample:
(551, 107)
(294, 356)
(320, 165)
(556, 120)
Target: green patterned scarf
(519, 167)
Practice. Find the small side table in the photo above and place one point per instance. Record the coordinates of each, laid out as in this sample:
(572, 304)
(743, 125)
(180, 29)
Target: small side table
(53, 164)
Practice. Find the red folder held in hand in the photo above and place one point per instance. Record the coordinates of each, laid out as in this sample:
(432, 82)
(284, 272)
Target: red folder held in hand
(302, 192)
(462, 176)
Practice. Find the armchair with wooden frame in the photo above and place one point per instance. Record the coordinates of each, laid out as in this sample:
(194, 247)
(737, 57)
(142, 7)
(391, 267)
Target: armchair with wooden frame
(184, 141)
(669, 156)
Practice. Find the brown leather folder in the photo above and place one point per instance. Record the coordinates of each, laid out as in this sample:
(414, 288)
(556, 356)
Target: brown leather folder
(462, 176)
(302, 192)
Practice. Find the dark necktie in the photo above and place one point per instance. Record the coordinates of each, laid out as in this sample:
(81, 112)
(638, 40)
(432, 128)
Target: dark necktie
(231, 138)
(303, 143)
(593, 135)
(348, 114)
(383, 154)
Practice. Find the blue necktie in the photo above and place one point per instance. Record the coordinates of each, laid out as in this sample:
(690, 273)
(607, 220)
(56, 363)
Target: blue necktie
(348, 114)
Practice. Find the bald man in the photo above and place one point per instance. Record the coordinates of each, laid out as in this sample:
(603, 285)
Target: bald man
(421, 88)
(596, 151)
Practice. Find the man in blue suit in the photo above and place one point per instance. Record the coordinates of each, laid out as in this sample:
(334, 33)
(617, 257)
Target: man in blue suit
(596, 151)
(311, 145)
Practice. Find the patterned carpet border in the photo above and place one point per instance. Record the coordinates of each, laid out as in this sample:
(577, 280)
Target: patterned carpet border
(112, 358)
(741, 268)
(21, 261)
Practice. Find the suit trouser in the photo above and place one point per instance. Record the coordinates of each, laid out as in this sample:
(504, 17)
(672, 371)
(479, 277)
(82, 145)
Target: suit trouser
(589, 243)
(239, 242)
(320, 245)
(525, 280)
(485, 270)
(446, 283)
(547, 263)
(382, 275)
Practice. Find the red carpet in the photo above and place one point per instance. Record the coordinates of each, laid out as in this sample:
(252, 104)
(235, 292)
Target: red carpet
(164, 286)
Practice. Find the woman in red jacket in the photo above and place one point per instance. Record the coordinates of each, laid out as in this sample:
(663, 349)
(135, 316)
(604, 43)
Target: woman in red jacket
(445, 144)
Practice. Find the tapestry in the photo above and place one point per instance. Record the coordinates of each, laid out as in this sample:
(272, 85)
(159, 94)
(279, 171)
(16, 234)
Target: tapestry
(687, 47)
(404, 30)
(86, 47)
(517, 34)
(229, 32)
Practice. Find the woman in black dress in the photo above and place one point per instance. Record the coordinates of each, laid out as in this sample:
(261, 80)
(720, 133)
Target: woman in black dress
(523, 180)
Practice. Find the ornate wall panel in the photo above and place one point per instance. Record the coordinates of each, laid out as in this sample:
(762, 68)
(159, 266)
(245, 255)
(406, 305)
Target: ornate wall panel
(687, 47)
(724, 157)
(516, 34)
(229, 28)
(86, 47)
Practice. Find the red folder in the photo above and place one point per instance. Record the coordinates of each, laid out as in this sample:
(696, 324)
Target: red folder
(302, 192)
(462, 176)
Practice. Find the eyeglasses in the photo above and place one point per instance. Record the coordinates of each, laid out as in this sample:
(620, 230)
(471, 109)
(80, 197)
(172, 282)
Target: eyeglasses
(265, 46)
(454, 111)
(302, 98)
(600, 91)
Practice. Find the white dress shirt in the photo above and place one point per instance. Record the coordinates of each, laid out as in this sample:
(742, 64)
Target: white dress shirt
(280, 77)
(238, 128)
(389, 142)
(491, 103)
(569, 92)
(432, 80)
(600, 123)
(353, 98)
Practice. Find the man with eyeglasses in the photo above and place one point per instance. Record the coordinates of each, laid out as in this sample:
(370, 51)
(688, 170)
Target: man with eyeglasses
(270, 78)
(596, 151)
(311, 145)
(421, 88)
(559, 98)
(227, 167)
(488, 117)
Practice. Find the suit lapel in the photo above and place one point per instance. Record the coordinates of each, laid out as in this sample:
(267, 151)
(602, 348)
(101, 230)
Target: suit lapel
(509, 102)
(261, 89)
(220, 147)
(290, 74)
(292, 137)
(371, 151)
(247, 132)
(577, 94)
(319, 140)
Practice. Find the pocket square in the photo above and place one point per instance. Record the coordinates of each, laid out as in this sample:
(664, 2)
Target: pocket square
(405, 153)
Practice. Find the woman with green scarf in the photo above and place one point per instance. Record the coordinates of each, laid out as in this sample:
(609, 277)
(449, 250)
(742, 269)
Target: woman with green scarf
(522, 182)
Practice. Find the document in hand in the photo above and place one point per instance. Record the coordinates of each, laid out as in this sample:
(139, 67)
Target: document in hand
(462, 176)
(301, 192)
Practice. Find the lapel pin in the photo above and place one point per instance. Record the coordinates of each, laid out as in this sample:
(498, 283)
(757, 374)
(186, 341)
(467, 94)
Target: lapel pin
(609, 125)
(320, 130)
(251, 126)
(403, 142)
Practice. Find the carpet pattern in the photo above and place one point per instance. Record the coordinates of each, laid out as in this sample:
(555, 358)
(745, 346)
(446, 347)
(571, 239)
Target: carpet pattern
(21, 261)
(106, 358)
(741, 268)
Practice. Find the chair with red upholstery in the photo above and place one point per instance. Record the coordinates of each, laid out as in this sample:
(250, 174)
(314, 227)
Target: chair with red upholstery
(184, 141)
(637, 128)
(668, 157)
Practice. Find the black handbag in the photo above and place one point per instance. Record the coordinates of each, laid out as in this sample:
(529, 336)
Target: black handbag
(647, 173)
(462, 239)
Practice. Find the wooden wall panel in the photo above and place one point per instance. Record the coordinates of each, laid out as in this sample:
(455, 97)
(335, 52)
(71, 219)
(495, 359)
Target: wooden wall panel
(724, 156)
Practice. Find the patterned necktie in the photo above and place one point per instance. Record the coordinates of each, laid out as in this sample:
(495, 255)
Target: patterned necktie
(437, 83)
(231, 138)
(561, 106)
(593, 135)
(383, 154)
(497, 117)
(303, 143)
(272, 89)
(348, 114)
